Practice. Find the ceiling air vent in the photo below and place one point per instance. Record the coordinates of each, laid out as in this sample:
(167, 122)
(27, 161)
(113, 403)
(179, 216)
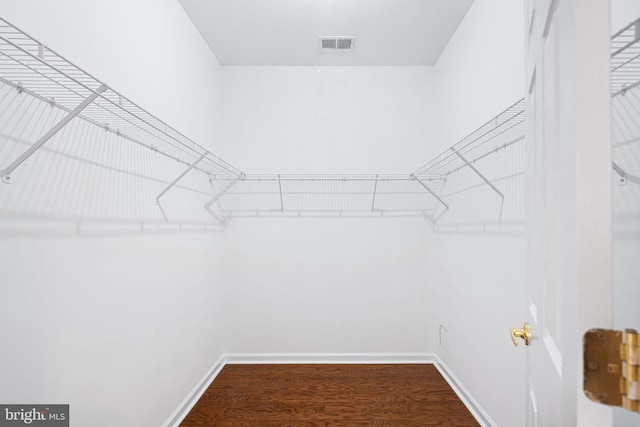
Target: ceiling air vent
(337, 44)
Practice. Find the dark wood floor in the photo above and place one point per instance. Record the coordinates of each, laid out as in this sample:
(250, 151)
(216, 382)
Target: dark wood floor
(329, 395)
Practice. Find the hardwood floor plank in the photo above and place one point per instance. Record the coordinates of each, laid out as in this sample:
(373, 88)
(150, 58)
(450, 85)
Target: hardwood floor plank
(329, 395)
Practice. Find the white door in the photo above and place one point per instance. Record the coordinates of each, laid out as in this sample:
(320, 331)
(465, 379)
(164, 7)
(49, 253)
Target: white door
(569, 187)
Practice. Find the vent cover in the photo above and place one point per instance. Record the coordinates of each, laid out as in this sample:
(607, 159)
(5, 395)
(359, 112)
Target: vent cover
(337, 44)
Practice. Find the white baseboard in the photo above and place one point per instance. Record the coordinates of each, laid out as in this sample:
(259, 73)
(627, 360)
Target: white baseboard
(188, 403)
(469, 401)
(329, 358)
(194, 395)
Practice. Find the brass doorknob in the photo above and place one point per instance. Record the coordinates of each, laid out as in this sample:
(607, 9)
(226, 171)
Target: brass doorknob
(523, 333)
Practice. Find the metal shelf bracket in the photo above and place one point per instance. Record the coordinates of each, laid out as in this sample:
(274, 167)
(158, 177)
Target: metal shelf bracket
(622, 180)
(6, 173)
(220, 194)
(477, 172)
(426, 187)
(223, 221)
(281, 199)
(186, 171)
(375, 189)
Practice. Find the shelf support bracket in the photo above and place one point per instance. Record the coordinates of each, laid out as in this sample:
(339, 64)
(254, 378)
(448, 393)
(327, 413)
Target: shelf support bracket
(623, 175)
(433, 193)
(186, 171)
(477, 172)
(221, 221)
(281, 200)
(6, 173)
(164, 214)
(220, 194)
(375, 189)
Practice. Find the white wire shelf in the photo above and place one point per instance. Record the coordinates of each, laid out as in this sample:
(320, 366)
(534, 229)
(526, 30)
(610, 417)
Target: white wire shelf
(430, 190)
(501, 131)
(424, 193)
(372, 195)
(625, 59)
(31, 67)
(421, 193)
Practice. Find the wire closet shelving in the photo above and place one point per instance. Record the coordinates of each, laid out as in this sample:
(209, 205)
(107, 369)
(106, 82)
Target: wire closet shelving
(326, 195)
(42, 91)
(625, 59)
(421, 193)
(30, 69)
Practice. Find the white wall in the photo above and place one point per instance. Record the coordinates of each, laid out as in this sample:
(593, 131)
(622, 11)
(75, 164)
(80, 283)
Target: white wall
(626, 199)
(623, 12)
(333, 285)
(478, 280)
(120, 326)
(337, 284)
(328, 119)
(480, 72)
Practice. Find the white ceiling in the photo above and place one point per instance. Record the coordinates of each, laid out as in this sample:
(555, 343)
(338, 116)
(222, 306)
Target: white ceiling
(285, 32)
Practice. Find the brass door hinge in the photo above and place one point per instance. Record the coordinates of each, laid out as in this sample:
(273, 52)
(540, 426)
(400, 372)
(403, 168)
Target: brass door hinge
(611, 368)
